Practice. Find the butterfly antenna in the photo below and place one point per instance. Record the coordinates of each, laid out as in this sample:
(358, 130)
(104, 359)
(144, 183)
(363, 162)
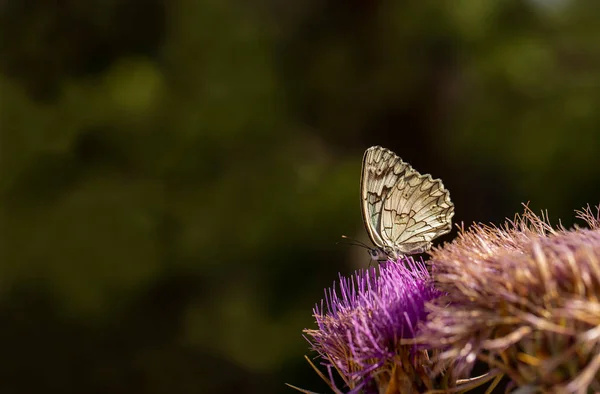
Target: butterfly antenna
(352, 241)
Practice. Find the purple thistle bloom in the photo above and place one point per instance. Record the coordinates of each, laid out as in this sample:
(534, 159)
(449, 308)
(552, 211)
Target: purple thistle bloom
(361, 326)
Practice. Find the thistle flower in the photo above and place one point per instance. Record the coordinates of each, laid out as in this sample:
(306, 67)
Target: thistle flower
(523, 298)
(365, 329)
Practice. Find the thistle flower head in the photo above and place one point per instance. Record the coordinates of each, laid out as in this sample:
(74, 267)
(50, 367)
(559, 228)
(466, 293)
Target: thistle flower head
(362, 325)
(524, 298)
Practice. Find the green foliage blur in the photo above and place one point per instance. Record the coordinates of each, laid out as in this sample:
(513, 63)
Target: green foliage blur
(175, 174)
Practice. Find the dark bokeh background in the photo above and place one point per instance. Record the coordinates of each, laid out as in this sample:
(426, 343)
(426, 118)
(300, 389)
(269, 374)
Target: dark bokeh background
(175, 174)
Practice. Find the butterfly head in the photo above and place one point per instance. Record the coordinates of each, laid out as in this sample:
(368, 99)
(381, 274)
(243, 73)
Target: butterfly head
(383, 254)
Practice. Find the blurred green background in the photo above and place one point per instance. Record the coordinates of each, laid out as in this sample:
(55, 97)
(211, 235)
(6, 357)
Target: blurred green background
(175, 174)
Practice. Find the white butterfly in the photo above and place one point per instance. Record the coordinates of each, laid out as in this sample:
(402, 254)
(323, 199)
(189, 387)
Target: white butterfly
(402, 209)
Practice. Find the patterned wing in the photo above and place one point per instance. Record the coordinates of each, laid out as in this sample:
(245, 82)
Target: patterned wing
(402, 209)
(381, 171)
(415, 212)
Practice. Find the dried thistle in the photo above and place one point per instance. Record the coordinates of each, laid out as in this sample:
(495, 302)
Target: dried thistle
(525, 299)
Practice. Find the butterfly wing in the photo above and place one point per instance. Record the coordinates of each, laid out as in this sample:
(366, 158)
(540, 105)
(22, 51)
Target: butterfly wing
(401, 208)
(416, 211)
(381, 170)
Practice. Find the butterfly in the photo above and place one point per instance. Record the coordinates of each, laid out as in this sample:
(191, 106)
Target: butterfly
(403, 210)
